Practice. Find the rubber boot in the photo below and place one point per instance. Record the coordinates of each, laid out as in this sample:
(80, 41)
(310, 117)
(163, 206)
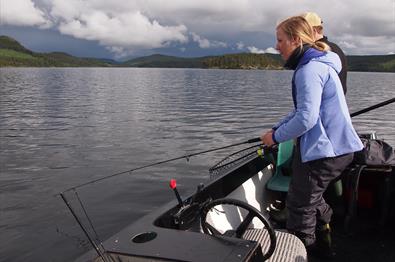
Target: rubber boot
(279, 216)
(323, 248)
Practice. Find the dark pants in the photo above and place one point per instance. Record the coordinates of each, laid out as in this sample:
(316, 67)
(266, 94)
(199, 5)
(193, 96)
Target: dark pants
(305, 202)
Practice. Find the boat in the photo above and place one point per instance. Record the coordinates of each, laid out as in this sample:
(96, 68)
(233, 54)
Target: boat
(232, 217)
(208, 225)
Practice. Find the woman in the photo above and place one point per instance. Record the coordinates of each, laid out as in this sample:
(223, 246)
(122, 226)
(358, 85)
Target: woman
(321, 125)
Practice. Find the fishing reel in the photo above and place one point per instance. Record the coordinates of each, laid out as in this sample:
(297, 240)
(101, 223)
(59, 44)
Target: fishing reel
(188, 211)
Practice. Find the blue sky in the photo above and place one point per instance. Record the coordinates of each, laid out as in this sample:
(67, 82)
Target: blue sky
(121, 29)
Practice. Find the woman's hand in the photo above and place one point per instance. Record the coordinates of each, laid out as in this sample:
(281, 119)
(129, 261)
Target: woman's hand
(267, 138)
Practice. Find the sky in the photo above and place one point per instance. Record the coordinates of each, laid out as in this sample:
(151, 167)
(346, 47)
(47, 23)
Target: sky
(122, 29)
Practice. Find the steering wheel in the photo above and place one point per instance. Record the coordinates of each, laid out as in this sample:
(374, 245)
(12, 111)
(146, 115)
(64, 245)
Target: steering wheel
(242, 228)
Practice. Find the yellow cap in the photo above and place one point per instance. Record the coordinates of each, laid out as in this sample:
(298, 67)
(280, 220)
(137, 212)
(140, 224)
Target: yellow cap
(312, 18)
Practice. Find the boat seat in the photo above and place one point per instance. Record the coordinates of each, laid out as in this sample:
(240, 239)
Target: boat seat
(282, 175)
(288, 248)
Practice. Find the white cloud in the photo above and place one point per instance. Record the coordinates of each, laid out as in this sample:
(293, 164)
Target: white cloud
(145, 24)
(127, 31)
(22, 13)
(346, 44)
(361, 45)
(256, 50)
(205, 43)
(271, 50)
(68, 10)
(240, 45)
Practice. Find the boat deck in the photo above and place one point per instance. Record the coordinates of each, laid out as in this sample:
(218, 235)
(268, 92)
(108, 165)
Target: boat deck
(366, 241)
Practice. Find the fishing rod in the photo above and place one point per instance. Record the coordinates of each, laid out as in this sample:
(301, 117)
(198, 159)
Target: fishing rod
(187, 156)
(389, 101)
(370, 108)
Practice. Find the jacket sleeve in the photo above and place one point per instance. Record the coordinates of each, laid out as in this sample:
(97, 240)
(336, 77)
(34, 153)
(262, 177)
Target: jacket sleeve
(285, 119)
(309, 85)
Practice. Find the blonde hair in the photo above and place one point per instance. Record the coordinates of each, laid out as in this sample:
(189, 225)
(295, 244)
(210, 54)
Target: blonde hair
(297, 26)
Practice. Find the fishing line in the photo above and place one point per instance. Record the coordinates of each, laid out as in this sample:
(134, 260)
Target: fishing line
(94, 245)
(89, 220)
(98, 248)
(254, 140)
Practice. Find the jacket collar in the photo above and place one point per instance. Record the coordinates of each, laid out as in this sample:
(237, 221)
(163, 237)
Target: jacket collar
(302, 56)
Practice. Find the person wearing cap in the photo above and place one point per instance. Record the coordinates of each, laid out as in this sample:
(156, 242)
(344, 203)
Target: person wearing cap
(316, 22)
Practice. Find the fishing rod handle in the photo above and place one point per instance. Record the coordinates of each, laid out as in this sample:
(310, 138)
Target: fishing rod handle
(254, 140)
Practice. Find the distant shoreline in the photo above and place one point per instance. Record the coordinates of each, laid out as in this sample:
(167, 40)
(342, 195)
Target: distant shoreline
(13, 54)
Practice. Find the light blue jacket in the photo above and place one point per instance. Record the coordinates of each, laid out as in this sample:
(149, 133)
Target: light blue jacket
(321, 118)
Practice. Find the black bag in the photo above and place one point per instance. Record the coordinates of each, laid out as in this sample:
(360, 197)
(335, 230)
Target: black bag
(375, 152)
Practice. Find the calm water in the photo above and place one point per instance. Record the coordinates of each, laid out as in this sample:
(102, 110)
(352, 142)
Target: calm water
(63, 127)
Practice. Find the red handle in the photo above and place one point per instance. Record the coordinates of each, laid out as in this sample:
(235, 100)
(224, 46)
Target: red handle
(173, 183)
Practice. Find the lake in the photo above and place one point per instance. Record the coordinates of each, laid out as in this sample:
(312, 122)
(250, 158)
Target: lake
(61, 127)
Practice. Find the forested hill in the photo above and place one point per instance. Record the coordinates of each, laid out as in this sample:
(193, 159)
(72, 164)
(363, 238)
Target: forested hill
(13, 54)
(229, 61)
(158, 60)
(379, 63)
(244, 61)
(373, 63)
